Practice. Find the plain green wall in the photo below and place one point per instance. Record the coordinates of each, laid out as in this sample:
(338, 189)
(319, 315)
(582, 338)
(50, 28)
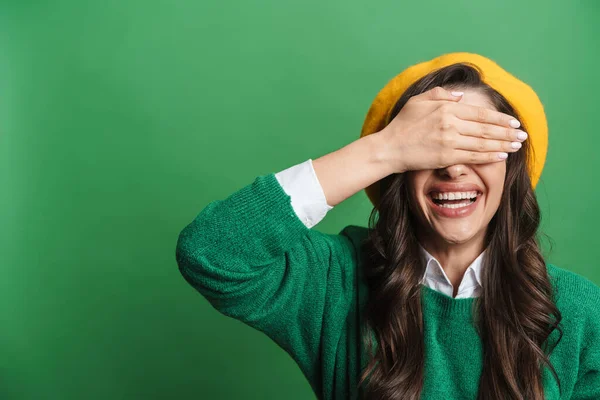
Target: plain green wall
(120, 120)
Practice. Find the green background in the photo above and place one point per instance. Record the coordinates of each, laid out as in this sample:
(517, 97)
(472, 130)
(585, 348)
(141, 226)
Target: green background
(120, 120)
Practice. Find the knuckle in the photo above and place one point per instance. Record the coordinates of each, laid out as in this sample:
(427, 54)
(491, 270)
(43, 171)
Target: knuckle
(437, 92)
(482, 114)
(446, 118)
(481, 142)
(445, 109)
(483, 131)
(446, 125)
(509, 133)
(450, 142)
(447, 139)
(473, 156)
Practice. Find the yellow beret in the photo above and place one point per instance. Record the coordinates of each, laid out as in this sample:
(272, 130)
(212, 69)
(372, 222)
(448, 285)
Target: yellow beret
(520, 95)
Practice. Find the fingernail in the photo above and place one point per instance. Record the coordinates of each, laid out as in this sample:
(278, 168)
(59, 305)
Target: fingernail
(514, 123)
(521, 135)
(457, 94)
(516, 145)
(502, 156)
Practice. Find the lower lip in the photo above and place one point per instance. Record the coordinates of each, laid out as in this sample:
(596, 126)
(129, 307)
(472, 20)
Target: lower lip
(454, 212)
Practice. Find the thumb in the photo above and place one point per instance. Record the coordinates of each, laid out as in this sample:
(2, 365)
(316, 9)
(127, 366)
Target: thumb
(439, 93)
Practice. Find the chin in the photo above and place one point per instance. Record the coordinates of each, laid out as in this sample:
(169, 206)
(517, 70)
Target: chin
(456, 236)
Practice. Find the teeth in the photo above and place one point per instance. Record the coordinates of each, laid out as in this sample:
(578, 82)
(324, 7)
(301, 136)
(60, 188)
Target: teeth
(454, 195)
(459, 205)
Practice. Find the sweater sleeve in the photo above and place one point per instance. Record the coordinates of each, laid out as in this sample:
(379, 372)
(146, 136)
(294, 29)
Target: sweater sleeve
(254, 260)
(587, 386)
(301, 183)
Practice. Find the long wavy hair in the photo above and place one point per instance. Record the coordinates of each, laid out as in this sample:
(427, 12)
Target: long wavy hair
(515, 313)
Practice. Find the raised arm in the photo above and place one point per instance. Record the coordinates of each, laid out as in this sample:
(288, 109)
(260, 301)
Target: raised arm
(254, 257)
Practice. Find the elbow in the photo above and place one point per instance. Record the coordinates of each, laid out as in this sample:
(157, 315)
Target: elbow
(186, 254)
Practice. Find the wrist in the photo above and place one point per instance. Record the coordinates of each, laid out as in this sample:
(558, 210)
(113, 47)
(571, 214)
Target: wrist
(385, 156)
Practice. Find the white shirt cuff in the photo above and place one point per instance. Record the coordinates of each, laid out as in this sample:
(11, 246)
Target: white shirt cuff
(300, 182)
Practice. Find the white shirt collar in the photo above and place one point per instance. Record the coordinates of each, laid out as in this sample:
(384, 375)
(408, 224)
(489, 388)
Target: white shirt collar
(434, 270)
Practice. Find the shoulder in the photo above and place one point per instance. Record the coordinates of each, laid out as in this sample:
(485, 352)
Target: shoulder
(357, 234)
(576, 296)
(573, 287)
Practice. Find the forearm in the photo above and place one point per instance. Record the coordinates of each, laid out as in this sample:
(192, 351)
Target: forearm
(352, 168)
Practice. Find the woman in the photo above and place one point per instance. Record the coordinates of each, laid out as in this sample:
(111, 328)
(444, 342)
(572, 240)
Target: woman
(446, 295)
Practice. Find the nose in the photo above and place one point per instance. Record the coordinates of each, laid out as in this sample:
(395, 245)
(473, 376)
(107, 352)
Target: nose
(454, 171)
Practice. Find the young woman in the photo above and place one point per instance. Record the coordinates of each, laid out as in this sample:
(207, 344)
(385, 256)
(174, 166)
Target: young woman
(446, 294)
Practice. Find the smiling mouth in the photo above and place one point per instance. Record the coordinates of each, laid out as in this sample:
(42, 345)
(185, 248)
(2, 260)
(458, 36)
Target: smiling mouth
(454, 199)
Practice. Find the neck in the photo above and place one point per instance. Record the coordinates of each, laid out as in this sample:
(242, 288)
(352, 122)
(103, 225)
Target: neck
(454, 258)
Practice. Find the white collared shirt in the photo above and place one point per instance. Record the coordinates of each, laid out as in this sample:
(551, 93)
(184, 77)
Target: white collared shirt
(308, 200)
(435, 277)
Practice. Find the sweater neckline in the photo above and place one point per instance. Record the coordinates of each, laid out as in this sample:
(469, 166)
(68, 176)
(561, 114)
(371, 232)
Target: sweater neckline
(441, 304)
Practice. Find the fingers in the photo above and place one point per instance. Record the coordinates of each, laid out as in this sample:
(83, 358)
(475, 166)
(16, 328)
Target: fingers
(484, 115)
(490, 131)
(475, 157)
(480, 144)
(439, 93)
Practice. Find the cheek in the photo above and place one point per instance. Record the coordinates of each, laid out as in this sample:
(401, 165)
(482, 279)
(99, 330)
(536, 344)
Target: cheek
(493, 177)
(411, 184)
(415, 181)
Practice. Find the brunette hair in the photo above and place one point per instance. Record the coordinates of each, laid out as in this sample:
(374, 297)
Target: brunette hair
(515, 313)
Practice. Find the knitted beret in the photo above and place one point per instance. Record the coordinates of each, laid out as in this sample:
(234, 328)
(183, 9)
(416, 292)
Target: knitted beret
(520, 95)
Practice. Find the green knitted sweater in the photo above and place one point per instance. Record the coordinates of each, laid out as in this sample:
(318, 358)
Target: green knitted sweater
(254, 260)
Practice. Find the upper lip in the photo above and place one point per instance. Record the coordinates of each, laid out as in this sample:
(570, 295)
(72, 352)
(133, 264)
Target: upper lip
(455, 187)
